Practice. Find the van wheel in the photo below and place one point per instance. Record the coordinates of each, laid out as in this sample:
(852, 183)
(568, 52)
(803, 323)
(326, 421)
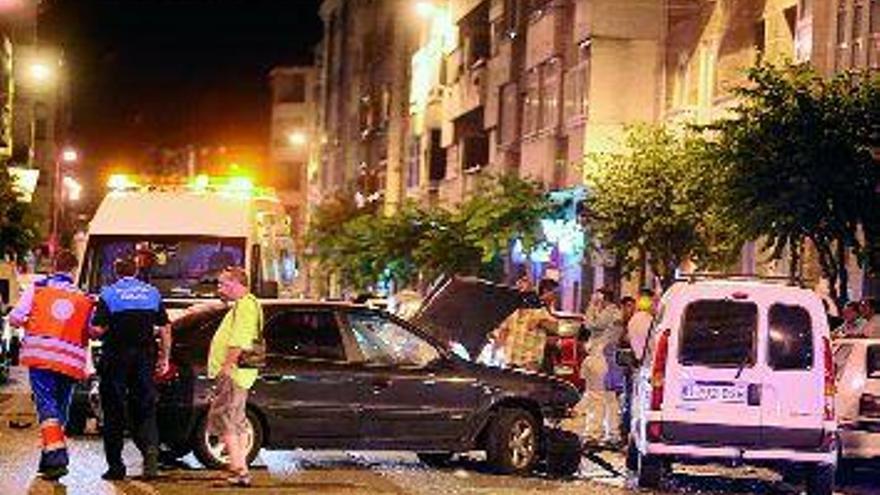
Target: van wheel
(512, 444)
(211, 452)
(632, 453)
(820, 480)
(649, 470)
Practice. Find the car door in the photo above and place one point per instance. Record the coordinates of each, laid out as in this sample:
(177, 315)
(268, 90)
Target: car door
(411, 395)
(714, 375)
(792, 397)
(307, 390)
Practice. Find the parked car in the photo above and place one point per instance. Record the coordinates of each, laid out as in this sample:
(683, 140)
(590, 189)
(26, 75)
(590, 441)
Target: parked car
(857, 363)
(465, 310)
(737, 372)
(346, 376)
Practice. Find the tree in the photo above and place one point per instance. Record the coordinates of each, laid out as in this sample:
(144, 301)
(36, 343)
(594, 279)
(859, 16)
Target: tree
(367, 247)
(18, 221)
(653, 202)
(796, 154)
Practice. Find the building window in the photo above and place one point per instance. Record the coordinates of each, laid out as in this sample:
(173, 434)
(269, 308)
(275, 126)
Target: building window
(476, 152)
(577, 90)
(293, 175)
(508, 111)
(550, 82)
(437, 157)
(532, 103)
(414, 162)
(875, 17)
(294, 91)
(857, 32)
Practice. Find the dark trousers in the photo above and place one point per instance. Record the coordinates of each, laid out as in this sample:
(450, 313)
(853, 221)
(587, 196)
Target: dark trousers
(52, 394)
(127, 387)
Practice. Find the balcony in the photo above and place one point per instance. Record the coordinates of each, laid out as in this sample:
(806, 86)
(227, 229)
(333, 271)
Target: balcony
(546, 36)
(468, 93)
(461, 8)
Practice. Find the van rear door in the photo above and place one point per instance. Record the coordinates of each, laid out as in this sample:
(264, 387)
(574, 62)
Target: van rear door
(793, 391)
(714, 377)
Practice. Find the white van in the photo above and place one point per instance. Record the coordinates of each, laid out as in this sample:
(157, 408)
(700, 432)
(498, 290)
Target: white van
(187, 233)
(736, 372)
(857, 367)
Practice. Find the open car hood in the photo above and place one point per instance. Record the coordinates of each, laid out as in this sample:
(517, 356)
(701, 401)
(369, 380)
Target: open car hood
(467, 309)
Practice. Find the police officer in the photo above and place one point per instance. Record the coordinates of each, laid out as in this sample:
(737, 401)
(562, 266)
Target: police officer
(126, 318)
(55, 316)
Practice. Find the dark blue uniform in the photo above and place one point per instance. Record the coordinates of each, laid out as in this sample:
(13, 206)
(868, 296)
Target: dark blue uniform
(129, 310)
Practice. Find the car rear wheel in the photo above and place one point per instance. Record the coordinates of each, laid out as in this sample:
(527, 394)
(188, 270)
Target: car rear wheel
(435, 459)
(512, 444)
(820, 480)
(210, 450)
(649, 470)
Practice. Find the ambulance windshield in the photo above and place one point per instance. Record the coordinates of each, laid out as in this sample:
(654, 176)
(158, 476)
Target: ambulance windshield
(179, 266)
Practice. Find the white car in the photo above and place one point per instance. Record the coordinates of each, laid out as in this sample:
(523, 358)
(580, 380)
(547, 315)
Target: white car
(737, 372)
(858, 397)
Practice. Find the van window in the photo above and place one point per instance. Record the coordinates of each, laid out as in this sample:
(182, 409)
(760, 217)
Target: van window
(841, 356)
(791, 338)
(719, 334)
(873, 362)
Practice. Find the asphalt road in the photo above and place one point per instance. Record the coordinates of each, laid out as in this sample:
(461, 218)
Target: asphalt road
(301, 472)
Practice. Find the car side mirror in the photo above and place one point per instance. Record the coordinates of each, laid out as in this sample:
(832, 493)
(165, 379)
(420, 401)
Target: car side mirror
(626, 357)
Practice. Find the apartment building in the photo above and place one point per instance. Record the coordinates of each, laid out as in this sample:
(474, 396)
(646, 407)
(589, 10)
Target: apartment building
(294, 138)
(534, 86)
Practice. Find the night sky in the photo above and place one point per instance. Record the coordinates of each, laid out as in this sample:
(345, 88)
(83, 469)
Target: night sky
(149, 73)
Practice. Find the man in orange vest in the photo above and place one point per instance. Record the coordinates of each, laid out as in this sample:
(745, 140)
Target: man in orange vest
(55, 316)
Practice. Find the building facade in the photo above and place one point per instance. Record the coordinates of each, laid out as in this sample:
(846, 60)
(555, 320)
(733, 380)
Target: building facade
(532, 87)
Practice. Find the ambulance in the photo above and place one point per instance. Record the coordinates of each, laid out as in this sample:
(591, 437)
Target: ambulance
(183, 235)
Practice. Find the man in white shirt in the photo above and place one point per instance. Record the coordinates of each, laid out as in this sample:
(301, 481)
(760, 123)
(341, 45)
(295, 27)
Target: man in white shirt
(868, 310)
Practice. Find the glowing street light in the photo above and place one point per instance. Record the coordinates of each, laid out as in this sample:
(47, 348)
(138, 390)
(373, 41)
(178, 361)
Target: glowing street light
(69, 155)
(41, 72)
(297, 138)
(425, 9)
(73, 188)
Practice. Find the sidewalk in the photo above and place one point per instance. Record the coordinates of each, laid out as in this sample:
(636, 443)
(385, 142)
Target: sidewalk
(16, 406)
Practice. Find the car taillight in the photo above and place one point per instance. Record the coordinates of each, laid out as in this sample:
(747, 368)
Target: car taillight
(658, 371)
(830, 388)
(869, 406)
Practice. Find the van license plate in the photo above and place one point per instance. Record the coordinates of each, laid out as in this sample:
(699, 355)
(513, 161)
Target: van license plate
(723, 393)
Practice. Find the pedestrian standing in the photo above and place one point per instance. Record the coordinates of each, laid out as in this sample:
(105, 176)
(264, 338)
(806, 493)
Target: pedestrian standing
(55, 317)
(521, 339)
(852, 325)
(127, 317)
(227, 417)
(603, 378)
(868, 311)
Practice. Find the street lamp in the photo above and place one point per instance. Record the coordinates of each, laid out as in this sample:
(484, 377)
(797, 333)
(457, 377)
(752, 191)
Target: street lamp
(298, 138)
(425, 8)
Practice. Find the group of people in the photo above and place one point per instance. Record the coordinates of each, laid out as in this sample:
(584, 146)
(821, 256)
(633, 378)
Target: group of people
(860, 320)
(130, 320)
(523, 340)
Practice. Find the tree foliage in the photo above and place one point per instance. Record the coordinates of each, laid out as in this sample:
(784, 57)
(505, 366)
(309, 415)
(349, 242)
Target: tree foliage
(18, 222)
(797, 157)
(365, 246)
(654, 202)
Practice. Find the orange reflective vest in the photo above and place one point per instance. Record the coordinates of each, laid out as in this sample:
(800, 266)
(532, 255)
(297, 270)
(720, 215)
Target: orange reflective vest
(57, 331)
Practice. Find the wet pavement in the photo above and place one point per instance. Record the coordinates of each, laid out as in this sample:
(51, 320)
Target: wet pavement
(302, 472)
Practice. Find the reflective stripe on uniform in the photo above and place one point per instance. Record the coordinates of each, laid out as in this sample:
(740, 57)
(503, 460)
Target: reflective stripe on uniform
(52, 434)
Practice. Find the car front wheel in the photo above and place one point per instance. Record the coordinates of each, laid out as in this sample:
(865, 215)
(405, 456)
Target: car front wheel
(512, 444)
(820, 479)
(210, 450)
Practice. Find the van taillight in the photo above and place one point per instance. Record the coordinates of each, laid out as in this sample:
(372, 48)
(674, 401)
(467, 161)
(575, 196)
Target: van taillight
(830, 389)
(658, 371)
(869, 406)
